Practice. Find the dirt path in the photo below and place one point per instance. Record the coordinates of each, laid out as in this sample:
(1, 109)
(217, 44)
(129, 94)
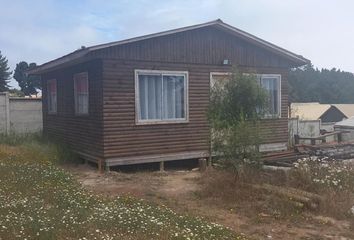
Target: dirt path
(178, 190)
(141, 184)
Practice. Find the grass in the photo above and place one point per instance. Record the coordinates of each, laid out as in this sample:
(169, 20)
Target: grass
(39, 200)
(14, 139)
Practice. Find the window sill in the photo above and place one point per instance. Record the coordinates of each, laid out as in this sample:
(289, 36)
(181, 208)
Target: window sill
(157, 122)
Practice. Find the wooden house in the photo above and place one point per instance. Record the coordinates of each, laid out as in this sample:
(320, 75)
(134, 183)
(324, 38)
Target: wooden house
(145, 99)
(327, 113)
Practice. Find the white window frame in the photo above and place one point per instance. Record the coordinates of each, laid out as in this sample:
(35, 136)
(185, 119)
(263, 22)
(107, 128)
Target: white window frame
(161, 121)
(49, 107)
(75, 94)
(259, 76)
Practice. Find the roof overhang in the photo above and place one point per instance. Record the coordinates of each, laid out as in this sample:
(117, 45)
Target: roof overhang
(74, 56)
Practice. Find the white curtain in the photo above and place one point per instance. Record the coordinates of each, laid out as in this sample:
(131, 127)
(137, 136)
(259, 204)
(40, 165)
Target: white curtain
(161, 97)
(272, 87)
(173, 92)
(150, 96)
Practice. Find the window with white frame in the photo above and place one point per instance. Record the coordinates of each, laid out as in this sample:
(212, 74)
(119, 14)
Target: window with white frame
(81, 93)
(52, 95)
(161, 96)
(272, 84)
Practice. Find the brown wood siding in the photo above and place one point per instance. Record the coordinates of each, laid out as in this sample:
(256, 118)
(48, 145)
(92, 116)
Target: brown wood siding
(207, 45)
(123, 138)
(82, 133)
(110, 130)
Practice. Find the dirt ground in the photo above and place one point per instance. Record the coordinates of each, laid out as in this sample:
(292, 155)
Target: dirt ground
(179, 191)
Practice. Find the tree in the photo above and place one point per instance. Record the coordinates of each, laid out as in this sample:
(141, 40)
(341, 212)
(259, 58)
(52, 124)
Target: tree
(236, 106)
(309, 84)
(29, 84)
(4, 73)
(16, 93)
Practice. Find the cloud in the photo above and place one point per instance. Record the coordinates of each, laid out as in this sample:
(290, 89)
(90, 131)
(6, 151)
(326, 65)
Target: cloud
(39, 31)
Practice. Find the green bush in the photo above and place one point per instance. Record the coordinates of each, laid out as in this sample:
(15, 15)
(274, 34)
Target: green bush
(236, 106)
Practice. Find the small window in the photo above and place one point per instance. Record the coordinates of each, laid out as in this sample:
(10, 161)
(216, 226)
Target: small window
(161, 96)
(81, 93)
(52, 95)
(271, 83)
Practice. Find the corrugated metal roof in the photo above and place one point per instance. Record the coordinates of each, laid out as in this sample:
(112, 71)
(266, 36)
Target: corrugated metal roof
(308, 111)
(346, 123)
(346, 109)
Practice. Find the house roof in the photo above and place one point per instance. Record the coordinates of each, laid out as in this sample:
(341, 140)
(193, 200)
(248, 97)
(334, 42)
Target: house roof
(299, 60)
(315, 110)
(346, 109)
(308, 111)
(348, 123)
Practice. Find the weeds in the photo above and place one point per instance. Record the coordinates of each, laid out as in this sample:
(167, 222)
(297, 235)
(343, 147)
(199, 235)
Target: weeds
(334, 180)
(323, 173)
(14, 139)
(333, 183)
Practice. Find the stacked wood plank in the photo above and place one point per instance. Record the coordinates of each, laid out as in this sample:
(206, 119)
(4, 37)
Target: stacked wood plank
(283, 158)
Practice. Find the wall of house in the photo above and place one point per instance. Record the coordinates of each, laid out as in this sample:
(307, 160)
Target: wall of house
(110, 130)
(199, 52)
(348, 136)
(82, 132)
(328, 126)
(208, 45)
(126, 142)
(303, 128)
(20, 115)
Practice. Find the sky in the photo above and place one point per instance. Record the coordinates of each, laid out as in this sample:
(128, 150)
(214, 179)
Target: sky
(41, 30)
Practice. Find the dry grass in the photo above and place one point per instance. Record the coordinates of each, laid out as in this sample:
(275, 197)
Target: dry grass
(221, 188)
(243, 194)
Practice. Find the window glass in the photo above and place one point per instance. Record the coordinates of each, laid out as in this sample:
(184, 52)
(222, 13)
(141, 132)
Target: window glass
(150, 96)
(272, 86)
(161, 96)
(270, 82)
(81, 93)
(219, 80)
(52, 95)
(173, 92)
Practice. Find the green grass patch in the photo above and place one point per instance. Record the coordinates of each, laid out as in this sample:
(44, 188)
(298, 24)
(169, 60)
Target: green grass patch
(14, 139)
(39, 200)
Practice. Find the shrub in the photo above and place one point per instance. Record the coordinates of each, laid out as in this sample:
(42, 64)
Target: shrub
(234, 111)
